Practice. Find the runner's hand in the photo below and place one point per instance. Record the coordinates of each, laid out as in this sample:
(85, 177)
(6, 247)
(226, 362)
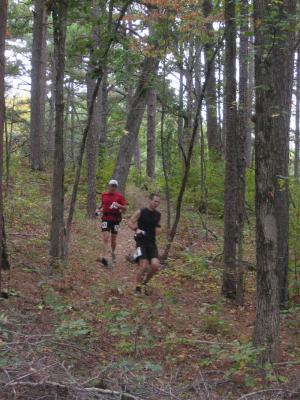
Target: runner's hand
(98, 214)
(140, 232)
(115, 205)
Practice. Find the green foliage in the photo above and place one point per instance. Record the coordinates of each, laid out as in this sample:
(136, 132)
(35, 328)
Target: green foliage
(73, 329)
(194, 266)
(243, 355)
(215, 325)
(55, 302)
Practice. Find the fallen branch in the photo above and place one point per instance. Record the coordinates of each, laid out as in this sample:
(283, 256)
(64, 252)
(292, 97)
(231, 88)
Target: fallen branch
(265, 391)
(56, 385)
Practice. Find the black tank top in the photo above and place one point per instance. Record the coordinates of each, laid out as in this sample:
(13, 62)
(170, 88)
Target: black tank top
(148, 222)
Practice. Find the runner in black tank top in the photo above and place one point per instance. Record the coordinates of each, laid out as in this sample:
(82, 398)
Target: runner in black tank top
(145, 223)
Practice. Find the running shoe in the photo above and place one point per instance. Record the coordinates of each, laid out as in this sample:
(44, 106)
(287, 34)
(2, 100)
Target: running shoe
(104, 261)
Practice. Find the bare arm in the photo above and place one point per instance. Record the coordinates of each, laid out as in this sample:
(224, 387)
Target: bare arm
(133, 221)
(122, 208)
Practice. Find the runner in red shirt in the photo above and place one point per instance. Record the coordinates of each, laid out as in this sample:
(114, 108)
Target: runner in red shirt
(111, 207)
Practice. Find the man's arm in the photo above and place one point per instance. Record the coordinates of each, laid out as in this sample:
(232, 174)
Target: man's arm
(122, 207)
(122, 204)
(133, 221)
(99, 209)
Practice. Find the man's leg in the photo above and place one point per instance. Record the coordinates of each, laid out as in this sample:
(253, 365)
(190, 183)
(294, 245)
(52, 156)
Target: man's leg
(105, 247)
(144, 268)
(113, 241)
(153, 269)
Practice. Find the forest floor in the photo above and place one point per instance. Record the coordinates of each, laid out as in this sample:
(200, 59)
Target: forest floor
(85, 333)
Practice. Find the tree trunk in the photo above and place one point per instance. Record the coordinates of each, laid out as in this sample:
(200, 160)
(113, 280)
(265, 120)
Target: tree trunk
(137, 156)
(103, 107)
(213, 132)
(51, 120)
(274, 43)
(92, 149)
(57, 239)
(38, 84)
(151, 134)
(297, 122)
(243, 129)
(134, 120)
(4, 263)
(189, 72)
(180, 122)
(72, 131)
(94, 131)
(251, 87)
(231, 178)
(220, 99)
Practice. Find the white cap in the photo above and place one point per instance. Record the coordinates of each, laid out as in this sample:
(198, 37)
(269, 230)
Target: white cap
(113, 182)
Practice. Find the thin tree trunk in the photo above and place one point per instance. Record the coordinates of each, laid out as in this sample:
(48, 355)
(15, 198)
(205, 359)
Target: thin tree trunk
(151, 134)
(94, 132)
(231, 178)
(134, 120)
(72, 131)
(137, 156)
(180, 119)
(251, 72)
(243, 128)
(8, 140)
(51, 118)
(297, 122)
(38, 84)
(67, 118)
(219, 100)
(164, 150)
(4, 263)
(189, 72)
(273, 81)
(57, 238)
(104, 111)
(213, 132)
(92, 148)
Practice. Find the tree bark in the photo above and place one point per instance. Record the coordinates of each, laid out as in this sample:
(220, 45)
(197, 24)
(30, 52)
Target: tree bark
(297, 122)
(251, 87)
(94, 131)
(274, 49)
(213, 132)
(92, 150)
(57, 238)
(4, 263)
(151, 134)
(231, 178)
(220, 99)
(134, 120)
(51, 119)
(137, 156)
(103, 110)
(180, 122)
(243, 132)
(38, 84)
(72, 131)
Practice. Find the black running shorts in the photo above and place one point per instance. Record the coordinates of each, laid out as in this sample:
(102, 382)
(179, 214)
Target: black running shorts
(146, 251)
(110, 226)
